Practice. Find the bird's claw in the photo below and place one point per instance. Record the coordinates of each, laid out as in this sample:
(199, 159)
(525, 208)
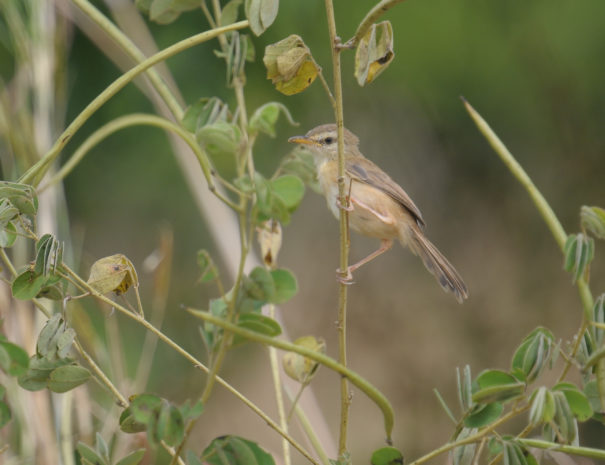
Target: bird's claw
(344, 277)
(347, 208)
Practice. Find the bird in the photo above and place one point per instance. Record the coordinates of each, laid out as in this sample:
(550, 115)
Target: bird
(377, 206)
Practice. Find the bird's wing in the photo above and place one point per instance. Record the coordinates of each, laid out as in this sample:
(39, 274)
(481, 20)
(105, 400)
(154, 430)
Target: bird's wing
(380, 180)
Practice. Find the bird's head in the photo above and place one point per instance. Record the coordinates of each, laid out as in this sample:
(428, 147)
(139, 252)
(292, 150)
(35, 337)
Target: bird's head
(323, 140)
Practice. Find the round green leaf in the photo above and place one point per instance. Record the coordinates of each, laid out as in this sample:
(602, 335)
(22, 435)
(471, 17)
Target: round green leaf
(387, 456)
(128, 424)
(286, 286)
(234, 450)
(289, 189)
(19, 360)
(27, 285)
(577, 400)
(144, 407)
(170, 426)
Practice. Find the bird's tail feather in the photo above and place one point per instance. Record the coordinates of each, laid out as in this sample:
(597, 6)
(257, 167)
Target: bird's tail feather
(435, 262)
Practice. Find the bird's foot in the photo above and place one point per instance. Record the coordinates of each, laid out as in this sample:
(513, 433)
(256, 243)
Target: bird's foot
(348, 207)
(344, 277)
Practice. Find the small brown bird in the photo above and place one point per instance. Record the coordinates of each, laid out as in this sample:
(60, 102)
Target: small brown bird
(378, 206)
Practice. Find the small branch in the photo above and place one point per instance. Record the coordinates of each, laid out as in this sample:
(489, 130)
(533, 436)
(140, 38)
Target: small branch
(571, 450)
(37, 171)
(101, 377)
(379, 9)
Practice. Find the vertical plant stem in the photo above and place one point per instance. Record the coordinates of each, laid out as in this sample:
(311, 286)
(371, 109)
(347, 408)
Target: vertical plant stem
(344, 228)
(279, 398)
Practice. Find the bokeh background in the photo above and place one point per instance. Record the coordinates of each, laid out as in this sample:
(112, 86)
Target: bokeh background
(535, 71)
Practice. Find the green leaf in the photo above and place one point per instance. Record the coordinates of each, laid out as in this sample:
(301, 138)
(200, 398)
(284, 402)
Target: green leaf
(220, 138)
(387, 456)
(21, 196)
(286, 286)
(464, 388)
(566, 428)
(229, 12)
(128, 424)
(5, 414)
(464, 455)
(18, 360)
(513, 454)
(170, 426)
(144, 407)
(260, 285)
(532, 356)
(67, 377)
(205, 111)
(577, 400)
(89, 454)
(542, 408)
(374, 52)
(27, 285)
(101, 446)
(38, 373)
(46, 345)
(495, 385)
(265, 117)
(259, 323)
(289, 189)
(579, 252)
(261, 14)
(234, 450)
(593, 220)
(300, 162)
(483, 415)
(191, 412)
(134, 458)
(8, 236)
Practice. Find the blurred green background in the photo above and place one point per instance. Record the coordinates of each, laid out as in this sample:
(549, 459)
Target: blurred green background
(534, 70)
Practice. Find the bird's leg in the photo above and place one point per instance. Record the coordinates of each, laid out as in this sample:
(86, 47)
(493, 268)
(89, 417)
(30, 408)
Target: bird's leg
(349, 206)
(347, 277)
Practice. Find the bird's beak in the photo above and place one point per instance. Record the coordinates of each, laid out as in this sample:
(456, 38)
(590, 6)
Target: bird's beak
(301, 140)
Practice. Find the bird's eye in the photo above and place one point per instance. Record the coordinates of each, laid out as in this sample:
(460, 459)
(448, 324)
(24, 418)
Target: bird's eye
(328, 140)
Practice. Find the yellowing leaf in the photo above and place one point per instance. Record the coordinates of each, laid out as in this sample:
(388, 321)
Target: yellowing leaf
(290, 65)
(114, 273)
(374, 52)
(301, 368)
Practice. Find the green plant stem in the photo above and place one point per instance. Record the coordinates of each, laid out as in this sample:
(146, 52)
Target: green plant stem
(470, 439)
(571, 450)
(141, 119)
(279, 398)
(196, 363)
(134, 52)
(345, 399)
(361, 383)
(37, 171)
(310, 432)
(103, 379)
(376, 12)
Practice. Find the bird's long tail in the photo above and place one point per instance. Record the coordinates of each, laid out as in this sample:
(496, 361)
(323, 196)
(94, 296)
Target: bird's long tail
(435, 262)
